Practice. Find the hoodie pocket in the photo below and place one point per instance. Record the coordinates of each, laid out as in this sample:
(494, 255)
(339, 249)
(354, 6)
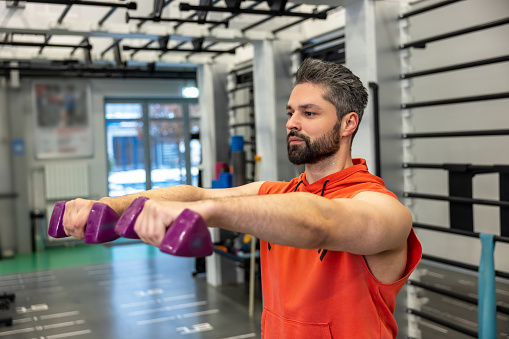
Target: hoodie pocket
(275, 326)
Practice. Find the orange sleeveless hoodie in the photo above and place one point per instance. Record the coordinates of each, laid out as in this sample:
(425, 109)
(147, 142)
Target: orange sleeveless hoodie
(313, 293)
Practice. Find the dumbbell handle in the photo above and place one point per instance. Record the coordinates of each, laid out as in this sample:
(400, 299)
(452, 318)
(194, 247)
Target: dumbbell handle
(100, 224)
(187, 236)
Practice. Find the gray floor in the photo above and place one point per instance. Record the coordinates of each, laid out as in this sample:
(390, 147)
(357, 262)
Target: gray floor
(153, 298)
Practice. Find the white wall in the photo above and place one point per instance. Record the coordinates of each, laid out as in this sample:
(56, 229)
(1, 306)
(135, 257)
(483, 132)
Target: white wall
(484, 115)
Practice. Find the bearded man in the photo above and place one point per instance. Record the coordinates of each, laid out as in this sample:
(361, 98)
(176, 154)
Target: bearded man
(336, 245)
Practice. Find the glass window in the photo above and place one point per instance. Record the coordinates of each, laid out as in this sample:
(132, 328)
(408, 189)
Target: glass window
(124, 111)
(164, 111)
(152, 144)
(126, 169)
(167, 150)
(194, 111)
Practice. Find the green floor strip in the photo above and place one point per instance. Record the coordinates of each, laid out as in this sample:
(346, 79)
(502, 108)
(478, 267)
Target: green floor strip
(80, 255)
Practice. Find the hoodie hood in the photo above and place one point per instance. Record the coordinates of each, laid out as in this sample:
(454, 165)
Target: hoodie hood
(350, 176)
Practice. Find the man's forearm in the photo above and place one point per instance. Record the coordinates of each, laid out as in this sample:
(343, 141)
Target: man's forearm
(360, 226)
(294, 219)
(173, 193)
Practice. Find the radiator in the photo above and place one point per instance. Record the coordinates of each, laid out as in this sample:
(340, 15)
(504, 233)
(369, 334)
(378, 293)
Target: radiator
(66, 181)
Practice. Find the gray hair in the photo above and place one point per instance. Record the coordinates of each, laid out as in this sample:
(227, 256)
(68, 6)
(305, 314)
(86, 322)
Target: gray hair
(342, 88)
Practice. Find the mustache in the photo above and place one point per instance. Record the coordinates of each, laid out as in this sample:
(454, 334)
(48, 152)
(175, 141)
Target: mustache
(298, 135)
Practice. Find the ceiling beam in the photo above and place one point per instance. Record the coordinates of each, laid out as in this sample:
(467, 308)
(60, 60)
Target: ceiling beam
(128, 5)
(188, 7)
(154, 31)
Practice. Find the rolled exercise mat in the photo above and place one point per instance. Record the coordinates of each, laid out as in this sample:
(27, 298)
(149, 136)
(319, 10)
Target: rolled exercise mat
(187, 236)
(100, 224)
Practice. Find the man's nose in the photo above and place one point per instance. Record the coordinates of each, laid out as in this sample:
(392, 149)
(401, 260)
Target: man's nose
(293, 123)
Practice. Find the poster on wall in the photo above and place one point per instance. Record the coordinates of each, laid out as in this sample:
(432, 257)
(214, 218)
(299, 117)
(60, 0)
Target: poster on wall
(63, 126)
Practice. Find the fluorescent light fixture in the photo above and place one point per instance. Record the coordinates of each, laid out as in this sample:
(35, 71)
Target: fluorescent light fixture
(190, 92)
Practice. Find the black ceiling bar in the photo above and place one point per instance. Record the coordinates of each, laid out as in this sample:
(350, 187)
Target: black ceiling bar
(456, 67)
(473, 98)
(422, 43)
(177, 46)
(188, 7)
(426, 9)
(97, 72)
(64, 13)
(115, 43)
(300, 21)
(176, 20)
(253, 5)
(457, 199)
(277, 30)
(146, 45)
(281, 28)
(231, 51)
(193, 15)
(166, 3)
(479, 133)
(201, 50)
(128, 5)
(60, 19)
(227, 20)
(266, 19)
(83, 41)
(461, 265)
(46, 40)
(207, 48)
(442, 322)
(106, 16)
(8, 195)
(38, 44)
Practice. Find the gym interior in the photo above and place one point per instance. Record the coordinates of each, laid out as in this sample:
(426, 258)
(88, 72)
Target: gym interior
(107, 98)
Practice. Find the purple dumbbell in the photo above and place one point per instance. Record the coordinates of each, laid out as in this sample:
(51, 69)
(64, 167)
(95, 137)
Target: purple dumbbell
(187, 236)
(100, 224)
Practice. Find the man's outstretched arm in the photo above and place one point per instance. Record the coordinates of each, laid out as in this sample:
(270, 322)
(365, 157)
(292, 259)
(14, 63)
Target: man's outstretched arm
(369, 224)
(77, 211)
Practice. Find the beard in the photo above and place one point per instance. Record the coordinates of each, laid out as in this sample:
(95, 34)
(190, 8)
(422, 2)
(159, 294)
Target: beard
(311, 152)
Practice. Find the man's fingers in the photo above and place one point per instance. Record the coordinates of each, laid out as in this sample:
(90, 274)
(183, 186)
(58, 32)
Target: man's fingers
(152, 223)
(76, 216)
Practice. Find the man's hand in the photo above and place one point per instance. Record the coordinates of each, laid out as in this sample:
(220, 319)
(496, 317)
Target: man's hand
(155, 218)
(76, 216)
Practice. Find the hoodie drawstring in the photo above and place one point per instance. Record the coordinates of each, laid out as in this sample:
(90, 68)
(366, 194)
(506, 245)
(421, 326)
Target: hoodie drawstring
(321, 194)
(295, 190)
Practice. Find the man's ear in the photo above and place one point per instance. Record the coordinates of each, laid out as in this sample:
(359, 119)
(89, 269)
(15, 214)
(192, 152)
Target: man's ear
(349, 124)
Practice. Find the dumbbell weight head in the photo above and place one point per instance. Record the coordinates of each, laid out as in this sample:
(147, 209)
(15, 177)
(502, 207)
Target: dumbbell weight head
(188, 236)
(125, 225)
(56, 228)
(100, 224)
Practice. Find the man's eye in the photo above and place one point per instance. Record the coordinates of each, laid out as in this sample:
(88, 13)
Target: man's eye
(309, 114)
(290, 114)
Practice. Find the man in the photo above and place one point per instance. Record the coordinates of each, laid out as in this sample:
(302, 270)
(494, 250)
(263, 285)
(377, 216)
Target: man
(336, 247)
